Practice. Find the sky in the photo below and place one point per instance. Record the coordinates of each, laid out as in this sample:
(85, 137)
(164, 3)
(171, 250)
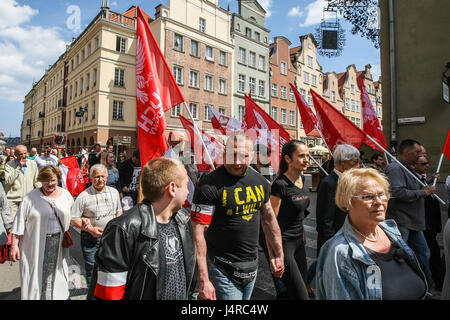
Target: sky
(34, 33)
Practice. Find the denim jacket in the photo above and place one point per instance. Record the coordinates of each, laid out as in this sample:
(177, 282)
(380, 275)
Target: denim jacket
(345, 270)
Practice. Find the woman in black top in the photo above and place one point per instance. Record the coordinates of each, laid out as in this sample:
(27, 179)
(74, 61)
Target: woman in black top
(290, 201)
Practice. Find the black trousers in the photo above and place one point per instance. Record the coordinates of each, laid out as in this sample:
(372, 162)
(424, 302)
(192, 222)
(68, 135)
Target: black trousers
(437, 265)
(295, 268)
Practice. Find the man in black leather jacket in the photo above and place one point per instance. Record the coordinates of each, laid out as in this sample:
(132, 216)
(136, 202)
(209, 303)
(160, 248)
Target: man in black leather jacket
(149, 253)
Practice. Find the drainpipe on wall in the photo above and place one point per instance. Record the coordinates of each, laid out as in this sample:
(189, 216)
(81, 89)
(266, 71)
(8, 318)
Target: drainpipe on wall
(392, 78)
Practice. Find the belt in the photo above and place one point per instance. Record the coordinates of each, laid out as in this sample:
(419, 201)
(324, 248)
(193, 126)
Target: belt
(51, 235)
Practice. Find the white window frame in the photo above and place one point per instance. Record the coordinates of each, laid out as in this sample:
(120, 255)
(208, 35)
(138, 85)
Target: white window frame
(241, 112)
(314, 80)
(283, 92)
(274, 90)
(306, 77)
(241, 82)
(252, 59)
(242, 55)
(223, 58)
(117, 113)
(176, 110)
(178, 74)
(292, 118)
(178, 46)
(261, 88)
(194, 44)
(209, 82)
(201, 24)
(252, 85)
(274, 113)
(209, 55)
(310, 62)
(206, 114)
(193, 107)
(119, 77)
(283, 115)
(223, 86)
(196, 78)
(261, 62)
(283, 67)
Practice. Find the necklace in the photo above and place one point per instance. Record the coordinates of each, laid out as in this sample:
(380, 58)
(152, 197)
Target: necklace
(377, 235)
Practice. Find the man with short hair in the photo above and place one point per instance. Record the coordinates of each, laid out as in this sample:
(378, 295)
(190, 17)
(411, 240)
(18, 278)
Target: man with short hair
(228, 205)
(20, 178)
(46, 159)
(329, 217)
(33, 154)
(376, 162)
(149, 253)
(129, 176)
(91, 211)
(406, 205)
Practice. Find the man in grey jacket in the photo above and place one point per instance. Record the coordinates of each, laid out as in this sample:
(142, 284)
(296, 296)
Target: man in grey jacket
(407, 205)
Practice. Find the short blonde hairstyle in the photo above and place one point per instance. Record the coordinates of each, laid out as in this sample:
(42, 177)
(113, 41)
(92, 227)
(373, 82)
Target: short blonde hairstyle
(158, 174)
(47, 173)
(351, 182)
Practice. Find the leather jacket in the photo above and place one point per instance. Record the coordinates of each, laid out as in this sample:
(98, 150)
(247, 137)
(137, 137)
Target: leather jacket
(130, 247)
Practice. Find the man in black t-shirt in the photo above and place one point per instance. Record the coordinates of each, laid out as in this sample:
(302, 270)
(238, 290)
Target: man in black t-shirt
(227, 207)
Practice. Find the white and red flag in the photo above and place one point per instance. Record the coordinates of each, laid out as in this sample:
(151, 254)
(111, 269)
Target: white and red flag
(73, 179)
(224, 124)
(263, 129)
(334, 126)
(309, 119)
(446, 151)
(371, 124)
(156, 92)
(214, 146)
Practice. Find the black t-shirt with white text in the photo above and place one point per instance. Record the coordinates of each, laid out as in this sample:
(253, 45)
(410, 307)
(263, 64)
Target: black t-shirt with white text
(230, 205)
(294, 202)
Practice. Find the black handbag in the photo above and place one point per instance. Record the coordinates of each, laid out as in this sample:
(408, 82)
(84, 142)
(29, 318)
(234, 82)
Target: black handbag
(241, 273)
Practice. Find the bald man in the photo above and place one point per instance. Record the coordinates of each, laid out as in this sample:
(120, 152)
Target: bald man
(20, 178)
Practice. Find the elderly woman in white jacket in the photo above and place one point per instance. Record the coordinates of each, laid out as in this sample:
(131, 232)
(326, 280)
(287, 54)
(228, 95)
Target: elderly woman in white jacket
(37, 239)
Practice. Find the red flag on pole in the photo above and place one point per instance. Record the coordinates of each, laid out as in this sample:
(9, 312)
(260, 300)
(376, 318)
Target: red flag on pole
(446, 151)
(215, 148)
(371, 125)
(335, 127)
(265, 129)
(156, 92)
(72, 178)
(224, 123)
(309, 119)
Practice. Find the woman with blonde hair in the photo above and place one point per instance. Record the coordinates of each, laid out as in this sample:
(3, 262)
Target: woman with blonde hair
(367, 258)
(42, 219)
(108, 160)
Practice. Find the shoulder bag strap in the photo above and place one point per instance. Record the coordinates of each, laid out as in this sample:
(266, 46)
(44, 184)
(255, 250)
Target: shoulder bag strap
(54, 211)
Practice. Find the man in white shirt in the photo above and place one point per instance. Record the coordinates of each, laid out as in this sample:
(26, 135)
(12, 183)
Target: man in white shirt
(46, 159)
(92, 211)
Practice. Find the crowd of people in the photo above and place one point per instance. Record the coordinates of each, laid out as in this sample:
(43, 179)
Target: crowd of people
(376, 225)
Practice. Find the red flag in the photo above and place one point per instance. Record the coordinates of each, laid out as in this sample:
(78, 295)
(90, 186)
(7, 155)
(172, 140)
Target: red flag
(266, 129)
(73, 178)
(446, 150)
(224, 123)
(214, 147)
(335, 127)
(156, 92)
(309, 119)
(371, 125)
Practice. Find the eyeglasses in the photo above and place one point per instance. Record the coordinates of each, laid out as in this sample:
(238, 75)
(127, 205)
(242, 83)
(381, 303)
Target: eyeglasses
(372, 197)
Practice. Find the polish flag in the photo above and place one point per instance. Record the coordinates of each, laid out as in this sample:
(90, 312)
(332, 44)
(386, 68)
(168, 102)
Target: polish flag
(446, 150)
(225, 124)
(73, 179)
(156, 92)
(110, 285)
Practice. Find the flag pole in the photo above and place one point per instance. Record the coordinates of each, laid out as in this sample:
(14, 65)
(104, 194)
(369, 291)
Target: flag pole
(200, 135)
(320, 167)
(438, 168)
(401, 165)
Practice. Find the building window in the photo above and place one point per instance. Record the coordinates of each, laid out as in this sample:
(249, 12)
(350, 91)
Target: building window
(358, 122)
(223, 58)
(283, 90)
(241, 83)
(207, 115)
(241, 112)
(209, 83)
(193, 107)
(291, 95)
(261, 88)
(310, 61)
(358, 106)
(76, 88)
(248, 32)
(261, 63)
(209, 53)
(93, 110)
(303, 93)
(292, 118)
(347, 103)
(201, 24)
(352, 88)
(257, 36)
(283, 67)
(88, 81)
(310, 100)
(89, 49)
(178, 42)
(119, 78)
(176, 110)
(242, 55)
(333, 96)
(314, 80)
(117, 110)
(194, 48)
(274, 113)
(306, 77)
(353, 105)
(252, 59)
(193, 79)
(95, 78)
(222, 111)
(178, 74)
(252, 85)
(121, 44)
(283, 116)
(274, 90)
(222, 86)
(96, 43)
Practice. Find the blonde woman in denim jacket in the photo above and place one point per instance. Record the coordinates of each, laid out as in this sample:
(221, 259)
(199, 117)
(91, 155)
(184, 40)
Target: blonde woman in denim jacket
(367, 259)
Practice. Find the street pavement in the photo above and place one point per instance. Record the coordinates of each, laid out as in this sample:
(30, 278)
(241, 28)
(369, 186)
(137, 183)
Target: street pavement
(264, 287)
